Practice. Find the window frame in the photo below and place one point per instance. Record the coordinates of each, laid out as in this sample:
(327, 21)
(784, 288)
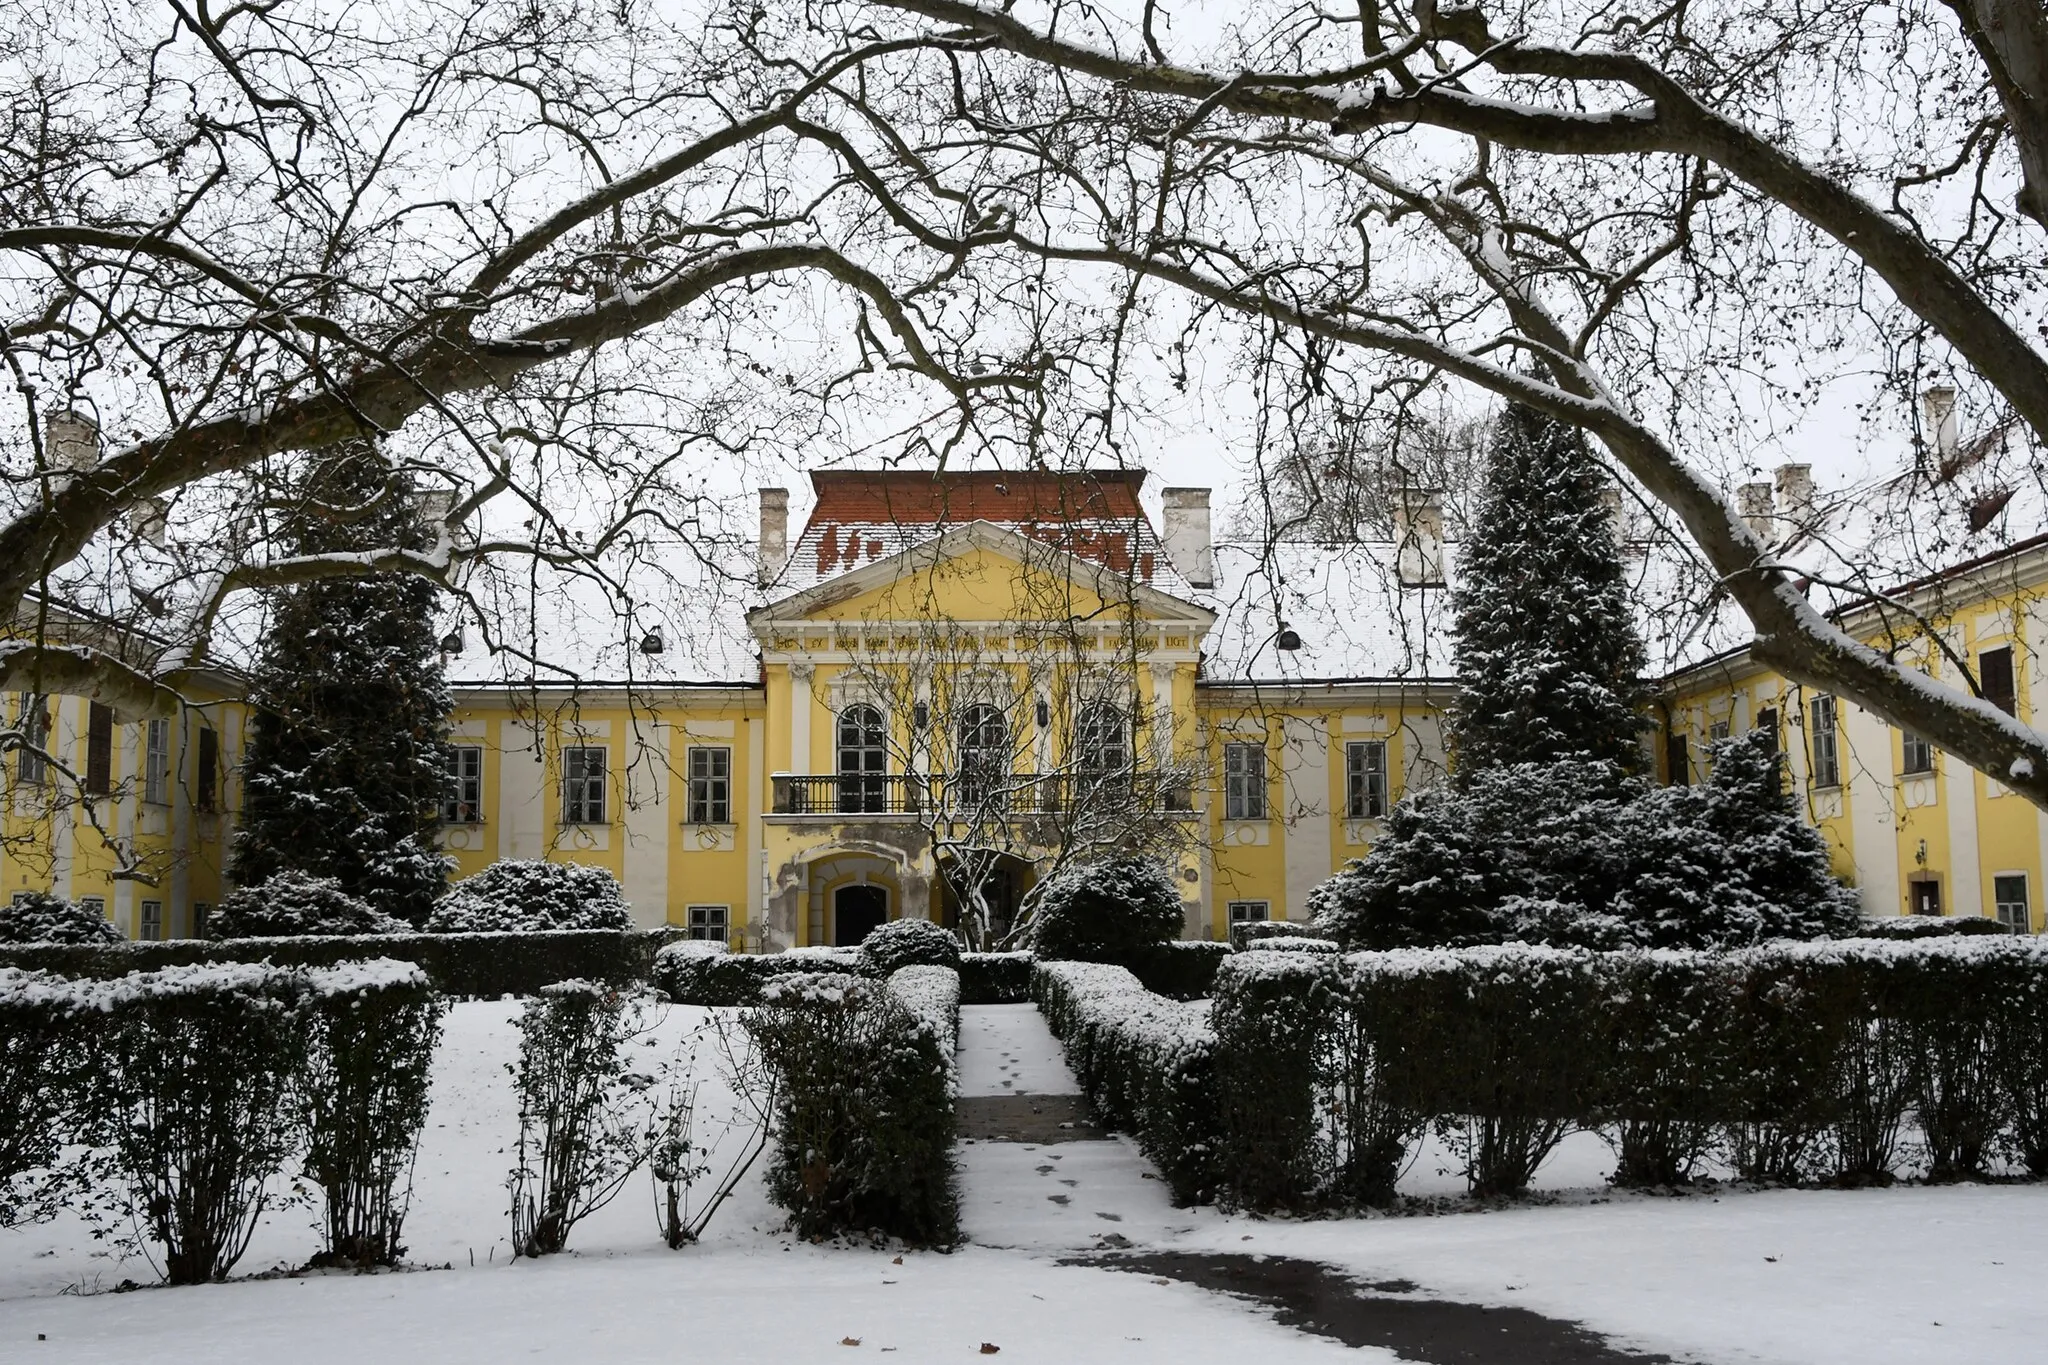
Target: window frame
(99, 749)
(206, 771)
(468, 786)
(32, 718)
(1244, 780)
(156, 762)
(1911, 744)
(2006, 697)
(147, 931)
(860, 758)
(1823, 743)
(583, 791)
(1102, 741)
(707, 795)
(1365, 782)
(1232, 916)
(981, 751)
(691, 914)
(2001, 904)
(1677, 758)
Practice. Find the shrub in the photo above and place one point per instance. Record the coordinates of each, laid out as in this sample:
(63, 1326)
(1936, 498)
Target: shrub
(371, 1031)
(1180, 970)
(198, 1103)
(1328, 947)
(1248, 932)
(292, 904)
(1928, 926)
(1107, 911)
(46, 1062)
(518, 894)
(899, 943)
(863, 1102)
(1146, 1064)
(578, 1143)
(40, 917)
(995, 978)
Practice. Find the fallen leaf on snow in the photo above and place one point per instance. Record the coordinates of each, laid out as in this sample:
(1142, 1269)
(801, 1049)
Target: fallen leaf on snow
(989, 1348)
(849, 1341)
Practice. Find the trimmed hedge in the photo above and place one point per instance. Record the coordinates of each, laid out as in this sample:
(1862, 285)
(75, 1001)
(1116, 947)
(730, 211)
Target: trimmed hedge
(1930, 926)
(1248, 932)
(1803, 1061)
(48, 1060)
(995, 978)
(1146, 1063)
(864, 1104)
(1183, 969)
(694, 972)
(484, 966)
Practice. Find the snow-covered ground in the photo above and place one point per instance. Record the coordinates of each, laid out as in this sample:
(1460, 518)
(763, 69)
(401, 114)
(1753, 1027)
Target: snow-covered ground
(1812, 1278)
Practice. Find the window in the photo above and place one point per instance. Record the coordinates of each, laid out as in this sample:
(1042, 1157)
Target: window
(1101, 747)
(583, 786)
(466, 781)
(152, 926)
(2009, 898)
(202, 916)
(982, 743)
(863, 744)
(1919, 754)
(206, 782)
(156, 763)
(1244, 781)
(99, 749)
(710, 786)
(1767, 721)
(1677, 758)
(96, 905)
(1926, 896)
(1995, 679)
(32, 720)
(1717, 731)
(1820, 737)
(708, 921)
(1250, 912)
(1365, 779)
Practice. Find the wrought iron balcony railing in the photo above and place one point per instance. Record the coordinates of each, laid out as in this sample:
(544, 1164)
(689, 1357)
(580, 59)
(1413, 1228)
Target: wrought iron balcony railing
(977, 794)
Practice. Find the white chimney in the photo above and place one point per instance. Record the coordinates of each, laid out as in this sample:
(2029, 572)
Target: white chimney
(1186, 534)
(773, 548)
(150, 520)
(1794, 494)
(1753, 500)
(71, 440)
(1419, 537)
(1939, 404)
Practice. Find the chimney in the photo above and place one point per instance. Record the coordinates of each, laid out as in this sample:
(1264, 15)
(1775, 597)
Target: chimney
(1419, 537)
(1939, 404)
(1186, 535)
(149, 520)
(773, 547)
(71, 440)
(1794, 489)
(1753, 500)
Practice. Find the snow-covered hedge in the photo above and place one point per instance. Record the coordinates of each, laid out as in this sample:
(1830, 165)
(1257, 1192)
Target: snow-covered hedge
(1294, 944)
(46, 1062)
(40, 917)
(1799, 1061)
(864, 1102)
(995, 978)
(1244, 934)
(697, 973)
(292, 904)
(523, 895)
(1930, 926)
(1146, 1064)
(899, 943)
(476, 965)
(1182, 969)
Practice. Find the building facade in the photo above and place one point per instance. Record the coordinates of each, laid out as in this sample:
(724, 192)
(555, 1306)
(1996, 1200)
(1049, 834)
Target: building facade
(962, 681)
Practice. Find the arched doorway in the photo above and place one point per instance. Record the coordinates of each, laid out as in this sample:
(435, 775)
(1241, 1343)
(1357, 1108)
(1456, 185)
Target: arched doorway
(856, 910)
(1004, 880)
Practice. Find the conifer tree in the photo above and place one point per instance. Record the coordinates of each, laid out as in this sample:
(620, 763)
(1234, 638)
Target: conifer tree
(1549, 663)
(346, 763)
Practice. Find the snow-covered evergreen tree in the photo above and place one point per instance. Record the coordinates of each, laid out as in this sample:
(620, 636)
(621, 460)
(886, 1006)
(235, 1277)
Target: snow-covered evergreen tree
(347, 759)
(45, 917)
(529, 895)
(1548, 660)
(294, 905)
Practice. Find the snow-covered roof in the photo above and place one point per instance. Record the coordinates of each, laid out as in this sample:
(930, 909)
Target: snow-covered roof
(1346, 602)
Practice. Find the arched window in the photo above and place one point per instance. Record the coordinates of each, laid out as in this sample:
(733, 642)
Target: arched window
(863, 760)
(1101, 742)
(982, 746)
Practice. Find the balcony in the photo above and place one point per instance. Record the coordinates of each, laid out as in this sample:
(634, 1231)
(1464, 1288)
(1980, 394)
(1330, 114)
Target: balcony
(973, 795)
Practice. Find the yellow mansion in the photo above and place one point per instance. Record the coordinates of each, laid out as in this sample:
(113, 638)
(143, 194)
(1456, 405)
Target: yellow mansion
(957, 680)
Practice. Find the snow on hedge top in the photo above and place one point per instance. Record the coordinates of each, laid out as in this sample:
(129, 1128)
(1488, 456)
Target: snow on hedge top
(1115, 999)
(1524, 957)
(812, 988)
(255, 980)
(692, 947)
(368, 974)
(23, 989)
